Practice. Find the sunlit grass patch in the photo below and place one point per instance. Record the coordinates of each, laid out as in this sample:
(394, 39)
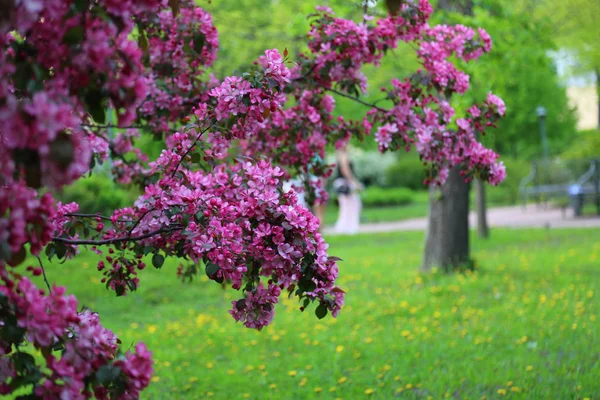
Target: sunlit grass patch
(522, 325)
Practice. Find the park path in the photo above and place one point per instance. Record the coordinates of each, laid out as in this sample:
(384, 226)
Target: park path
(512, 217)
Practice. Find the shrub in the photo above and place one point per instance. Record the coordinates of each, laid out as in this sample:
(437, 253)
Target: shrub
(382, 197)
(97, 193)
(370, 166)
(407, 172)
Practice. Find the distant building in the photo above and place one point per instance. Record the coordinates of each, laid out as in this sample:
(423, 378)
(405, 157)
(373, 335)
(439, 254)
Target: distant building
(581, 89)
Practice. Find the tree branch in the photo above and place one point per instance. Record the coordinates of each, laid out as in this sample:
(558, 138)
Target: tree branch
(77, 215)
(189, 149)
(364, 103)
(44, 274)
(117, 240)
(109, 126)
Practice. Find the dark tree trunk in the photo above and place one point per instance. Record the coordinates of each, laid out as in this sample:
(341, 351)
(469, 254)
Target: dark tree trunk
(483, 230)
(447, 241)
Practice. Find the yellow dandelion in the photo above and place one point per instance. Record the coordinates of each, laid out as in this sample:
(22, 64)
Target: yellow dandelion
(193, 379)
(318, 390)
(369, 391)
(515, 389)
(151, 328)
(501, 392)
(369, 340)
(332, 389)
(529, 368)
(342, 380)
(246, 395)
(339, 349)
(209, 394)
(408, 386)
(302, 382)
(155, 378)
(292, 373)
(210, 365)
(273, 386)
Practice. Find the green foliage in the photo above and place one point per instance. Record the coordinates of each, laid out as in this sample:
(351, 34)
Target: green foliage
(520, 71)
(97, 193)
(381, 197)
(586, 144)
(407, 172)
(507, 193)
(528, 311)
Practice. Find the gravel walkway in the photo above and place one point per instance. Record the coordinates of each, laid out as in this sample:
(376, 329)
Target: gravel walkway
(513, 217)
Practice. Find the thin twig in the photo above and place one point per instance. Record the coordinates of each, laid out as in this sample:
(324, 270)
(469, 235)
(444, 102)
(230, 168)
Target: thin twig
(355, 99)
(139, 220)
(44, 274)
(110, 126)
(117, 240)
(190, 149)
(77, 215)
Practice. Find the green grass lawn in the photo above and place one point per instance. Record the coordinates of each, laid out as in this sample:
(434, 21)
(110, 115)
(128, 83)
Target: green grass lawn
(524, 326)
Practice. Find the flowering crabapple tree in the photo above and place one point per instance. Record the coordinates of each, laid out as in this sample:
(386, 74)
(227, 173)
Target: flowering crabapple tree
(213, 199)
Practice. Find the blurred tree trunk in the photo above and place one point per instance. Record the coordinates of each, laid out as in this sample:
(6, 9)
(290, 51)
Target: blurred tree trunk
(447, 241)
(483, 230)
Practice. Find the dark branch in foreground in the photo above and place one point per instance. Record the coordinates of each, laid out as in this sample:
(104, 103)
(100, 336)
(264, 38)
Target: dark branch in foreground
(44, 274)
(116, 240)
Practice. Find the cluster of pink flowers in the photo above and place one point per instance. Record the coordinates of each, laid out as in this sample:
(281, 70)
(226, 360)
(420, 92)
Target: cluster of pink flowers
(24, 218)
(340, 47)
(52, 321)
(180, 48)
(243, 228)
(249, 101)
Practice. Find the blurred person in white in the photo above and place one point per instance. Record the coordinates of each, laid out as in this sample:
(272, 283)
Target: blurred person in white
(347, 188)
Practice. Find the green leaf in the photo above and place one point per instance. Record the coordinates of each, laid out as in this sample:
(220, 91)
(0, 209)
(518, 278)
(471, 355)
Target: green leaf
(199, 41)
(175, 6)
(95, 105)
(143, 41)
(107, 374)
(158, 260)
(80, 5)
(4, 250)
(321, 311)
(23, 361)
(61, 250)
(74, 35)
(211, 269)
